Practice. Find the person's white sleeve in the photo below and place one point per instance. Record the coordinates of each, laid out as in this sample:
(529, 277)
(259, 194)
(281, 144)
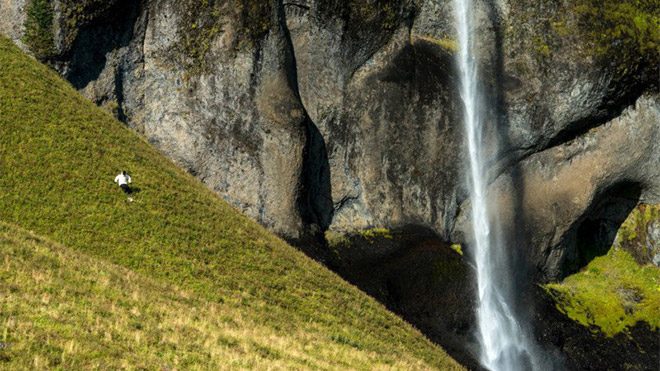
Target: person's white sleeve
(128, 177)
(116, 178)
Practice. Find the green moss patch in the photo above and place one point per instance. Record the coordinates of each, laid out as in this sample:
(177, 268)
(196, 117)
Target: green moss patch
(448, 44)
(626, 30)
(202, 22)
(634, 237)
(624, 34)
(373, 234)
(614, 291)
(78, 13)
(457, 247)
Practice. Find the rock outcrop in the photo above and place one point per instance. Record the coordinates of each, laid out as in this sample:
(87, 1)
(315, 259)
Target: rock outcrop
(340, 115)
(563, 198)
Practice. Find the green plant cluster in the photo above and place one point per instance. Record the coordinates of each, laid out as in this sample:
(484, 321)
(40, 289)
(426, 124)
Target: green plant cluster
(196, 32)
(59, 154)
(457, 247)
(449, 44)
(39, 29)
(255, 20)
(611, 294)
(337, 240)
(75, 14)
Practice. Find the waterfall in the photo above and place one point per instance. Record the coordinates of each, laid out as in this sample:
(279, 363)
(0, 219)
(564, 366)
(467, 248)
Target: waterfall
(504, 344)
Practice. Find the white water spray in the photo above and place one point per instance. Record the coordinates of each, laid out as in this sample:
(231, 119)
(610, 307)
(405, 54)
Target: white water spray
(502, 340)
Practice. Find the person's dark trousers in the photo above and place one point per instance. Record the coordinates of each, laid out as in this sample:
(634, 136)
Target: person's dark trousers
(126, 188)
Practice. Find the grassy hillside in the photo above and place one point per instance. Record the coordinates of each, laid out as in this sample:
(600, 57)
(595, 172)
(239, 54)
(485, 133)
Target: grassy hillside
(58, 156)
(63, 308)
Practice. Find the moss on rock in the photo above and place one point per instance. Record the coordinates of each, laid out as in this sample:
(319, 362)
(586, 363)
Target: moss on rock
(336, 240)
(622, 34)
(628, 30)
(373, 234)
(638, 235)
(202, 22)
(446, 43)
(457, 247)
(615, 291)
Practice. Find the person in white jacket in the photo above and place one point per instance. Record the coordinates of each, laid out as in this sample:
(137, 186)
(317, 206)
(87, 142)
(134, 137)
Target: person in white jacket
(123, 179)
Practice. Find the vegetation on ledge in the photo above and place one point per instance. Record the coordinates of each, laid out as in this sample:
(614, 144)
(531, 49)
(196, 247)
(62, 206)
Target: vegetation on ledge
(372, 234)
(448, 44)
(615, 291)
(78, 13)
(59, 154)
(635, 234)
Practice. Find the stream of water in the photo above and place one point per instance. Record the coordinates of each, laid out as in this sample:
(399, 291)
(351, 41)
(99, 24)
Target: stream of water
(502, 340)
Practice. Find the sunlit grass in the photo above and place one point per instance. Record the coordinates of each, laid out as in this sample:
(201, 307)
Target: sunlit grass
(61, 308)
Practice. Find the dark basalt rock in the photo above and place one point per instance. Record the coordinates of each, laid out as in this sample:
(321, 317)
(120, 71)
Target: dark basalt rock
(585, 348)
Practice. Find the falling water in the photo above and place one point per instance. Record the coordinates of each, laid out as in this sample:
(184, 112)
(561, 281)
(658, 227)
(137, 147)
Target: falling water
(502, 340)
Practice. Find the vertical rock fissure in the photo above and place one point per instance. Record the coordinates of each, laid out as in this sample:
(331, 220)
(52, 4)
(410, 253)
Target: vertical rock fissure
(314, 200)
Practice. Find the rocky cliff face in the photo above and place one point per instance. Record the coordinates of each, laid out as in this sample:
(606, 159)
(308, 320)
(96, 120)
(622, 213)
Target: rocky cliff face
(343, 115)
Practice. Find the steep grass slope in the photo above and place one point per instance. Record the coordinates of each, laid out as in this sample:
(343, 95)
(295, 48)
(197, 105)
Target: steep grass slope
(63, 308)
(58, 156)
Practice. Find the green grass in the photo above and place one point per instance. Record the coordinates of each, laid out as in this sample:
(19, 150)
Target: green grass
(373, 234)
(63, 309)
(58, 156)
(614, 292)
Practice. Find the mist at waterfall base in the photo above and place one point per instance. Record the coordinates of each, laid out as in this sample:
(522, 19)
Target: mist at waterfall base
(503, 340)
